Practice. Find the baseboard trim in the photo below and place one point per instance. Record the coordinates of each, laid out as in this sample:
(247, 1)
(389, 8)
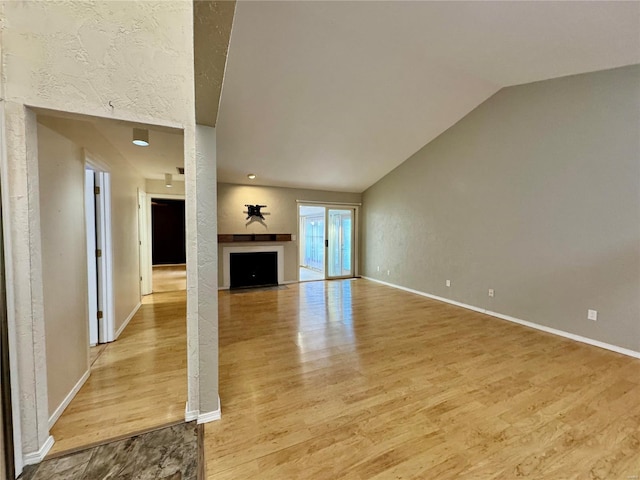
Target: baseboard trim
(209, 416)
(67, 400)
(126, 322)
(526, 323)
(191, 415)
(36, 457)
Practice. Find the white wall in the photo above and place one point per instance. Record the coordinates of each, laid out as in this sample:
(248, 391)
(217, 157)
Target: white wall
(125, 60)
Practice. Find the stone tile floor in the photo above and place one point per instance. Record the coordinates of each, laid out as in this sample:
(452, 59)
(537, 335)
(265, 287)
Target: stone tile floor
(170, 453)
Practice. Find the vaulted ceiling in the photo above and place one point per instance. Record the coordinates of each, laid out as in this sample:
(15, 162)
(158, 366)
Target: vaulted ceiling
(334, 95)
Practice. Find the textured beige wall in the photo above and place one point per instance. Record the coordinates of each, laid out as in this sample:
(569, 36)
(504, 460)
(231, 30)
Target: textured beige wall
(84, 57)
(127, 60)
(207, 261)
(536, 194)
(64, 272)
(23, 267)
(282, 217)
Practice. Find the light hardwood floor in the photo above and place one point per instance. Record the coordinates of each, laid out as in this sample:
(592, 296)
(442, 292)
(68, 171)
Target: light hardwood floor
(168, 278)
(137, 383)
(355, 380)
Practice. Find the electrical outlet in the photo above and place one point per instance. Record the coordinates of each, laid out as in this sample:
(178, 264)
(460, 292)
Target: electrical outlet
(378, 267)
(448, 283)
(491, 292)
(592, 315)
(388, 272)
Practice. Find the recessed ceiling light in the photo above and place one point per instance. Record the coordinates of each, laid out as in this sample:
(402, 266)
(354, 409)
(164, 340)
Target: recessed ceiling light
(141, 137)
(251, 176)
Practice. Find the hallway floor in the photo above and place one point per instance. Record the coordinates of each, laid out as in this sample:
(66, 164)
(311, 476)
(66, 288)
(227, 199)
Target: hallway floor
(137, 383)
(168, 278)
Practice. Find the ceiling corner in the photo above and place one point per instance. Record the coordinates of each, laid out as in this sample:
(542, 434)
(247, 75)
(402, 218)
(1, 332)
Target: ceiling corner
(212, 23)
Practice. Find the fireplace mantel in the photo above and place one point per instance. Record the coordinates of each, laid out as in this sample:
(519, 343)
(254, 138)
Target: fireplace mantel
(253, 237)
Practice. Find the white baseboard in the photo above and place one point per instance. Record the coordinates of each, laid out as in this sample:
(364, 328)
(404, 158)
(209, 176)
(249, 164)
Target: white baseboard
(191, 415)
(67, 400)
(210, 416)
(36, 457)
(128, 319)
(554, 331)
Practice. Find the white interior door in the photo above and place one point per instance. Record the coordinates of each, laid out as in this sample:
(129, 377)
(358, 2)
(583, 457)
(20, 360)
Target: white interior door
(106, 332)
(144, 237)
(99, 262)
(92, 272)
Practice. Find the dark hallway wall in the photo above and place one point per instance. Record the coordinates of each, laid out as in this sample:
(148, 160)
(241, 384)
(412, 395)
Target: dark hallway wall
(168, 230)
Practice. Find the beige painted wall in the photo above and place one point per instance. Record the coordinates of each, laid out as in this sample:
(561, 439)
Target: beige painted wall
(125, 182)
(158, 186)
(536, 194)
(282, 217)
(64, 263)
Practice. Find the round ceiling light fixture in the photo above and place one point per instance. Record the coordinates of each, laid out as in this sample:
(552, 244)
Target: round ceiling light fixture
(141, 137)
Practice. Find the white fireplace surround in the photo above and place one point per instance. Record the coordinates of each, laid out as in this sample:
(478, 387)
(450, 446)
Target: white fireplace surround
(226, 260)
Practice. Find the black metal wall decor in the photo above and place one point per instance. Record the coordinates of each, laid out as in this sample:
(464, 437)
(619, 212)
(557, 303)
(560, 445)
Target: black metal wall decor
(254, 211)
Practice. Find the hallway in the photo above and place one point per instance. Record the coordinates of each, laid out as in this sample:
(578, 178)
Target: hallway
(137, 383)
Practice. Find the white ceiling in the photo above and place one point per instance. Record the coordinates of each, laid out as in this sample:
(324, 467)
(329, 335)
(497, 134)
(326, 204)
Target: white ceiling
(164, 153)
(334, 95)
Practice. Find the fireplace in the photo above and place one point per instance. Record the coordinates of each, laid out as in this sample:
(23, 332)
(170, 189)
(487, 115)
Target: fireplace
(253, 269)
(255, 265)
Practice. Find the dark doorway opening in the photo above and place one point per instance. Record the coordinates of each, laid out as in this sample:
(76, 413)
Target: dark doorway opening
(255, 269)
(168, 232)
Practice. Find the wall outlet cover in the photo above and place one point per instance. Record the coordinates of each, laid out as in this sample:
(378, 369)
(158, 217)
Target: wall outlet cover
(592, 315)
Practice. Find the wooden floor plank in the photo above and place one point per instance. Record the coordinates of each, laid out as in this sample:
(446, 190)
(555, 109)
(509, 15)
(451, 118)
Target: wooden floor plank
(137, 383)
(355, 380)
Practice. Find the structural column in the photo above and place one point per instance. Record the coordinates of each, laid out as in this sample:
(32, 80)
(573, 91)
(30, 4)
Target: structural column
(202, 276)
(24, 276)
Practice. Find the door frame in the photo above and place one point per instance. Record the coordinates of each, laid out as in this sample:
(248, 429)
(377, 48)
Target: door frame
(10, 302)
(355, 235)
(106, 301)
(92, 272)
(327, 242)
(144, 239)
(148, 235)
(10, 464)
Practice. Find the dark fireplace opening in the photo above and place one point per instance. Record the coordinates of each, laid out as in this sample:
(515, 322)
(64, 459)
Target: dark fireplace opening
(253, 269)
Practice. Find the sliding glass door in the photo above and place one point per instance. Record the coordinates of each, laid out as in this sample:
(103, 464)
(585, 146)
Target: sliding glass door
(327, 242)
(340, 243)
